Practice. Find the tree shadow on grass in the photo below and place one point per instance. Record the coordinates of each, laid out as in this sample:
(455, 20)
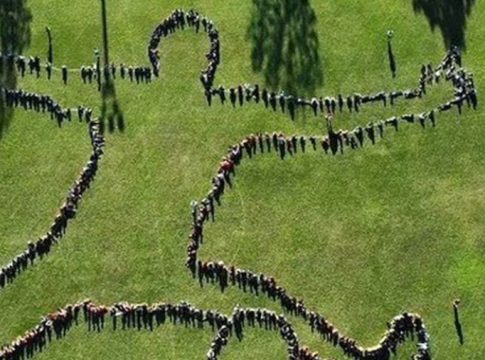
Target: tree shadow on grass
(110, 109)
(15, 19)
(285, 45)
(111, 113)
(450, 16)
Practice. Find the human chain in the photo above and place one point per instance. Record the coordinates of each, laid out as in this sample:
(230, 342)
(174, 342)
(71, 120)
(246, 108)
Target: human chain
(125, 316)
(45, 104)
(290, 103)
(33, 65)
(237, 95)
(334, 142)
(143, 316)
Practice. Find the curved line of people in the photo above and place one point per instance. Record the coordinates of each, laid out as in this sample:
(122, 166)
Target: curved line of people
(126, 316)
(334, 142)
(179, 20)
(36, 250)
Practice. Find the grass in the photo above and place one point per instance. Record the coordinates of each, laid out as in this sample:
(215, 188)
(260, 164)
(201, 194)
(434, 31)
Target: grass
(394, 227)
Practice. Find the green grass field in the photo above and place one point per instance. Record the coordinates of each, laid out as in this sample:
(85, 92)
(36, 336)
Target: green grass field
(362, 237)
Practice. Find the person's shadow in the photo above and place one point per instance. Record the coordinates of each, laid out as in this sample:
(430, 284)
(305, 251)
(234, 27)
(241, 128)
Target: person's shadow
(450, 16)
(15, 19)
(459, 330)
(285, 45)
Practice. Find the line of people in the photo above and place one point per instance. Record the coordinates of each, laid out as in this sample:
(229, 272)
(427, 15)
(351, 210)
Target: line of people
(240, 94)
(218, 273)
(179, 20)
(88, 73)
(224, 276)
(36, 250)
(139, 74)
(56, 325)
(335, 141)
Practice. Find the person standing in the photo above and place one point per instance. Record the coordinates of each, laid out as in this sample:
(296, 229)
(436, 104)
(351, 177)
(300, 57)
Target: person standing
(64, 74)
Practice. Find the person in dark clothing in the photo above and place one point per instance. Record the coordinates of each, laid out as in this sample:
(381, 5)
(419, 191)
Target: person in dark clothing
(314, 105)
(48, 69)
(256, 94)
(64, 74)
(369, 129)
(232, 96)
(349, 103)
(240, 94)
(281, 146)
(222, 94)
(282, 101)
(340, 102)
(208, 96)
(272, 101)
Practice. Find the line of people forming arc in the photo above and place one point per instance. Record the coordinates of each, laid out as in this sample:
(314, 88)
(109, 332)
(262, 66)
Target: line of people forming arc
(243, 93)
(40, 248)
(291, 103)
(334, 142)
(144, 317)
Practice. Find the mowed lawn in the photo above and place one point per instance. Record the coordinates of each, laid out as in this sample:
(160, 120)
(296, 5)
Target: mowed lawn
(394, 227)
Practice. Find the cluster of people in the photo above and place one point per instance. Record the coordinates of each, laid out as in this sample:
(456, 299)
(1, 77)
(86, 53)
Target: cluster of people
(33, 64)
(267, 319)
(35, 102)
(333, 142)
(179, 19)
(56, 325)
(399, 329)
(41, 247)
(139, 74)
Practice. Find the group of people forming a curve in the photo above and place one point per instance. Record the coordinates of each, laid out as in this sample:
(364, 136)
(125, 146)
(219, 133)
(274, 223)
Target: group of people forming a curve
(334, 142)
(36, 250)
(125, 316)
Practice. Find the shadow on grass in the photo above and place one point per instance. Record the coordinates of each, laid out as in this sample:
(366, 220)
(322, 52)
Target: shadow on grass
(111, 113)
(450, 16)
(458, 327)
(285, 45)
(15, 19)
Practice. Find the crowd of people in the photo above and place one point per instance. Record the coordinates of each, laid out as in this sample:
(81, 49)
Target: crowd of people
(143, 316)
(237, 95)
(41, 247)
(126, 316)
(333, 142)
